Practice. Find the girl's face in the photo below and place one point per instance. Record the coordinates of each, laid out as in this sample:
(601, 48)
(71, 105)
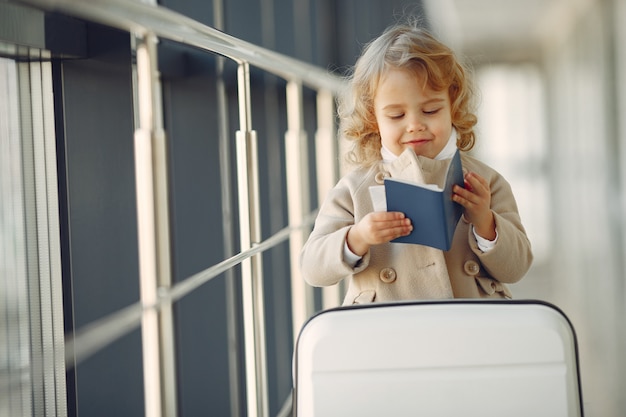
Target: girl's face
(412, 115)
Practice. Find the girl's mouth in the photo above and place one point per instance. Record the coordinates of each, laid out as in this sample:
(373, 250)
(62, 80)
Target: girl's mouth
(416, 142)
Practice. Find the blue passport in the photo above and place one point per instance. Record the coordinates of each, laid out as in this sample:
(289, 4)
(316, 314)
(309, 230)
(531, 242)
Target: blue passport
(432, 212)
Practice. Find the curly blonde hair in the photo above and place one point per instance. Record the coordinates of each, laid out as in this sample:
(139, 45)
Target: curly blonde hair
(403, 46)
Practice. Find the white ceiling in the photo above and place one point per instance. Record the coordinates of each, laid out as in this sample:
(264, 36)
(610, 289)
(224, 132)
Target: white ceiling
(501, 30)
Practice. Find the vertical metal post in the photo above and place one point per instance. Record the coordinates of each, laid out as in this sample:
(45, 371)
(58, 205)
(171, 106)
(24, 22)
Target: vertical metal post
(327, 170)
(251, 268)
(298, 192)
(153, 235)
(232, 298)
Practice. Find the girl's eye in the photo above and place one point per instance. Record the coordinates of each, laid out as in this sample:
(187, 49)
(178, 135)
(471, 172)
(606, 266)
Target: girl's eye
(434, 111)
(396, 116)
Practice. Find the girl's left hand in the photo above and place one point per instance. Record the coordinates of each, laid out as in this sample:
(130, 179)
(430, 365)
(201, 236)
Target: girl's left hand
(476, 199)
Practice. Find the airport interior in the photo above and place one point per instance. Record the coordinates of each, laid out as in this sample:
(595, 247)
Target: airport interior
(162, 162)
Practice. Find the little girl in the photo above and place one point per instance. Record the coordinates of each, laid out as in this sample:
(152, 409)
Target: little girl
(407, 110)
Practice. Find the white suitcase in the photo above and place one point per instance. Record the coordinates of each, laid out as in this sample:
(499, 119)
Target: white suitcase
(451, 358)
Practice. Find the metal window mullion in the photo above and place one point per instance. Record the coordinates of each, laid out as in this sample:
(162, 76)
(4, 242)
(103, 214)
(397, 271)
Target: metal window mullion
(153, 235)
(48, 244)
(56, 274)
(17, 399)
(41, 226)
(251, 269)
(298, 201)
(30, 222)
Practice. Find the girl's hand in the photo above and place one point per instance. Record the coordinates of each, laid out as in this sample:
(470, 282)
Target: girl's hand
(376, 228)
(476, 199)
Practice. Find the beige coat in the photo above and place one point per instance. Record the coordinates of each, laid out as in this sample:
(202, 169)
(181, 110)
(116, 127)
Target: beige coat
(394, 271)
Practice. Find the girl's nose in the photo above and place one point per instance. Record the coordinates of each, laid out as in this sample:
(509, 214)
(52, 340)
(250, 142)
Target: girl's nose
(415, 125)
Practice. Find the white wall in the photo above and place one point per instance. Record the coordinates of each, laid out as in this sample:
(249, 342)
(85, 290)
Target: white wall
(556, 131)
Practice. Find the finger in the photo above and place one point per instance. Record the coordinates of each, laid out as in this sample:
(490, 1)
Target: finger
(398, 231)
(386, 235)
(382, 216)
(465, 198)
(385, 226)
(463, 194)
(396, 227)
(394, 220)
(476, 182)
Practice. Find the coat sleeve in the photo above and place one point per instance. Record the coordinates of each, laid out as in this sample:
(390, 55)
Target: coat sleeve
(512, 256)
(321, 259)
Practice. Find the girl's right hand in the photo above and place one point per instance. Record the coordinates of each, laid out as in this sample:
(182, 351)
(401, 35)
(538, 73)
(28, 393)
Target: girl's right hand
(377, 228)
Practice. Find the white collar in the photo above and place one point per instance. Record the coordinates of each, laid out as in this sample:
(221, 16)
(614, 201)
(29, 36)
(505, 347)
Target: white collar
(446, 153)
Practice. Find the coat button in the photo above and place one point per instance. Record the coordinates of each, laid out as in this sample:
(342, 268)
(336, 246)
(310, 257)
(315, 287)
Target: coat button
(387, 275)
(380, 177)
(471, 268)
